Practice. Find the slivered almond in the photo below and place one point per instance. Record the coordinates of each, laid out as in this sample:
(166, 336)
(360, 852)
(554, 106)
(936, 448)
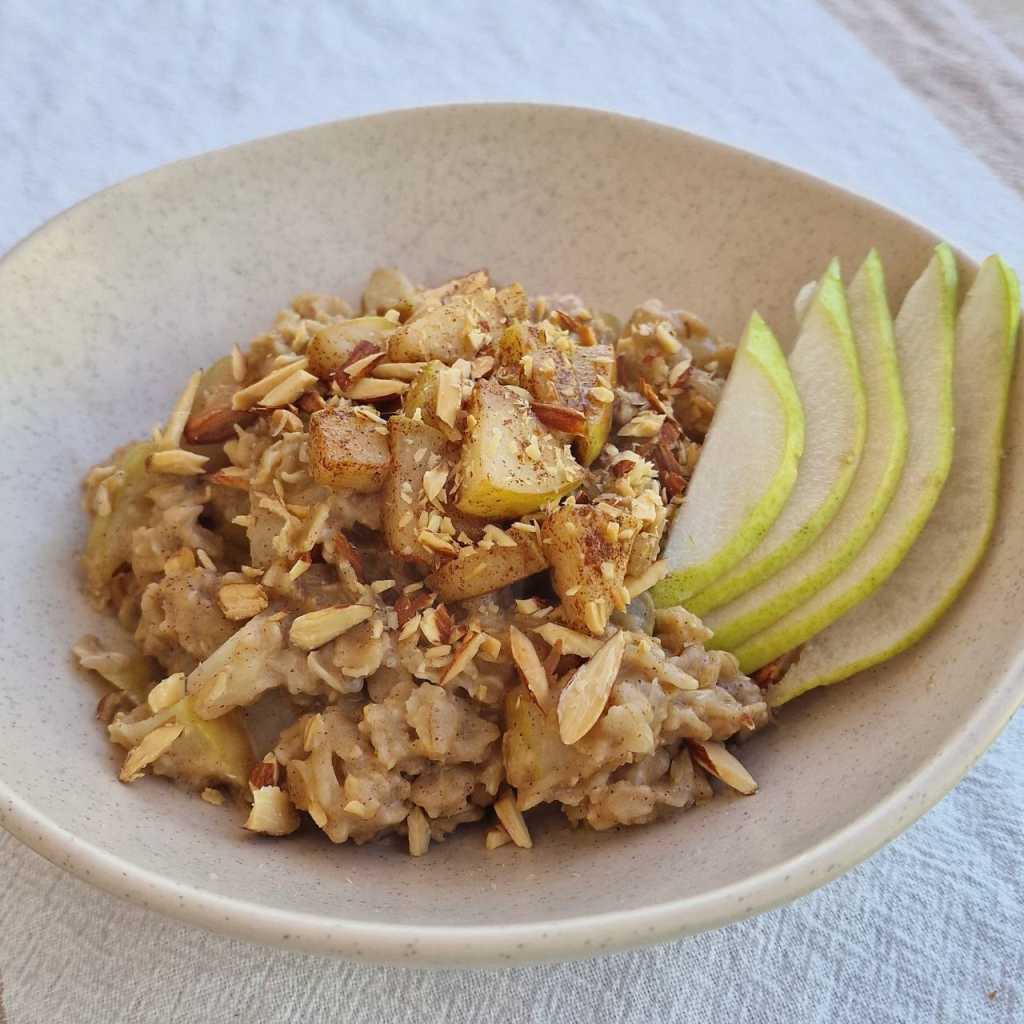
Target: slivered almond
(680, 371)
(178, 420)
(714, 757)
(464, 654)
(152, 746)
(314, 629)
(240, 601)
(572, 642)
(344, 549)
(373, 389)
(435, 542)
(239, 364)
(585, 697)
(654, 573)
(230, 477)
(397, 371)
(177, 462)
(273, 813)
(167, 692)
(409, 605)
(530, 667)
(651, 397)
(560, 417)
(512, 820)
(288, 390)
(646, 424)
(418, 831)
(496, 837)
(265, 773)
(254, 393)
(443, 621)
(213, 426)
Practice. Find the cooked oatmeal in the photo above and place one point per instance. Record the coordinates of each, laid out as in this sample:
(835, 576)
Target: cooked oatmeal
(389, 571)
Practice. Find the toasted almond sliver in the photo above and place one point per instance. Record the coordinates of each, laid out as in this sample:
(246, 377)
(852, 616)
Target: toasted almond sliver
(152, 746)
(654, 573)
(464, 654)
(273, 813)
(314, 629)
(583, 701)
(171, 437)
(512, 820)
(529, 664)
(369, 389)
(580, 644)
(714, 757)
(646, 424)
(288, 390)
(176, 462)
(167, 692)
(239, 364)
(418, 832)
(398, 371)
(213, 796)
(496, 837)
(359, 367)
(250, 396)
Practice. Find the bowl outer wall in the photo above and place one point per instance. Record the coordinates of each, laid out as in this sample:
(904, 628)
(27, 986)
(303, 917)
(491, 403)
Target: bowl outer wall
(113, 303)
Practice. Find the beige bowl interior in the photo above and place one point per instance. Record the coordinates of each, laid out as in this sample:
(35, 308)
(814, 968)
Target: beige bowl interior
(105, 311)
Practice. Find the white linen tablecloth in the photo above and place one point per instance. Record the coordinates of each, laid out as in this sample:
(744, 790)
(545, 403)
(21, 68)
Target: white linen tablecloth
(915, 104)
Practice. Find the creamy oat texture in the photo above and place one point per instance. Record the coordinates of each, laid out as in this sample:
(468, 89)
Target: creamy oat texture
(390, 570)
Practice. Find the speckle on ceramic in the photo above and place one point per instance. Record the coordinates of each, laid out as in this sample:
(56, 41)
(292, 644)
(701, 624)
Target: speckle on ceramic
(105, 310)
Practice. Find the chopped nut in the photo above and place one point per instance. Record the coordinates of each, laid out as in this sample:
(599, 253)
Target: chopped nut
(231, 476)
(512, 819)
(239, 365)
(273, 813)
(496, 837)
(602, 394)
(176, 462)
(560, 417)
(585, 697)
(572, 642)
(167, 692)
(418, 832)
(213, 426)
(242, 600)
(464, 654)
(212, 796)
(373, 389)
(255, 393)
(646, 424)
(288, 390)
(176, 423)
(314, 629)
(153, 746)
(530, 667)
(265, 773)
(397, 371)
(714, 757)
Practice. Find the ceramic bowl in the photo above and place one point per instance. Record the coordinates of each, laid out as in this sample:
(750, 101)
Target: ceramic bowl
(105, 311)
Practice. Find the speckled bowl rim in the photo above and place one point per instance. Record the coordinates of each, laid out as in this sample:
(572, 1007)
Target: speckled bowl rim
(580, 936)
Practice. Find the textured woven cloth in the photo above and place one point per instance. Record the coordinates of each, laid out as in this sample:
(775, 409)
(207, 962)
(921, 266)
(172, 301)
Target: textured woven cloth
(918, 108)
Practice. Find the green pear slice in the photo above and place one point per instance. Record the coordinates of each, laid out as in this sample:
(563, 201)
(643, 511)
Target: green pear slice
(827, 378)
(746, 471)
(949, 548)
(881, 463)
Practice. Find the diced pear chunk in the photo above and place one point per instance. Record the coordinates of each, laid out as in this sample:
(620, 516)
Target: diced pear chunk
(348, 451)
(510, 464)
